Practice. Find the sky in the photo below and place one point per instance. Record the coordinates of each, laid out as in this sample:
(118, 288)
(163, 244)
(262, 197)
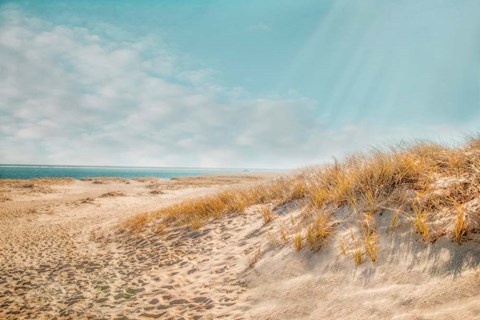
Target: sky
(261, 84)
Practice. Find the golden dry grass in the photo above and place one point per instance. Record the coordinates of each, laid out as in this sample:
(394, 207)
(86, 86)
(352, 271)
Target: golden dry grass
(267, 215)
(421, 222)
(371, 245)
(415, 182)
(283, 233)
(394, 223)
(460, 226)
(318, 231)
(298, 241)
(358, 256)
(370, 235)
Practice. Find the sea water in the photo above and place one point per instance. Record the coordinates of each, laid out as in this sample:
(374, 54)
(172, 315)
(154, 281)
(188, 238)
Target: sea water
(78, 172)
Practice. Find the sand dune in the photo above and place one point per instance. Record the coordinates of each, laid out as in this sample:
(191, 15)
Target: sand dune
(63, 256)
(410, 280)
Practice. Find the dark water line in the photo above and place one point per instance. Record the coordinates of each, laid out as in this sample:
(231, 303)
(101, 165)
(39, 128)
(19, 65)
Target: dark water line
(78, 172)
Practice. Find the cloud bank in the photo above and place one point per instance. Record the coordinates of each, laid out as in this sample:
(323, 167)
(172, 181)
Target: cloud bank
(72, 95)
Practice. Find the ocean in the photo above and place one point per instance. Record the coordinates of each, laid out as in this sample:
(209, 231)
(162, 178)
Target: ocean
(78, 172)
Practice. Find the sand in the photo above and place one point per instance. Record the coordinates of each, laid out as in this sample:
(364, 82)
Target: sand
(410, 280)
(62, 256)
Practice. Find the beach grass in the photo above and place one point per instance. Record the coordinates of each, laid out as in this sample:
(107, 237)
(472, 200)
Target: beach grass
(419, 182)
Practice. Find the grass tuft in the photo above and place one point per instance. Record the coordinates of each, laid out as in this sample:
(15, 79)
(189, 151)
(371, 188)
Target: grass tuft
(267, 215)
(298, 241)
(283, 232)
(371, 246)
(394, 223)
(318, 231)
(358, 256)
(460, 226)
(421, 223)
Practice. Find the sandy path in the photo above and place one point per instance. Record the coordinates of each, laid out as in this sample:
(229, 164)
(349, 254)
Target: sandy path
(60, 259)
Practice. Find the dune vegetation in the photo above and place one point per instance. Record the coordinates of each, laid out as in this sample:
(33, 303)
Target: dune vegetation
(435, 188)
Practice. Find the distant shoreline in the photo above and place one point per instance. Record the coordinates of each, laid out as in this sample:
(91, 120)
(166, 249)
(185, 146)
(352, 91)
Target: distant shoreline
(27, 172)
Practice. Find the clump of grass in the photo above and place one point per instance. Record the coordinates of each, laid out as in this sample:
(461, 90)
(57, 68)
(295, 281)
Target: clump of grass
(267, 215)
(394, 223)
(370, 236)
(298, 241)
(318, 196)
(358, 256)
(298, 191)
(421, 223)
(310, 236)
(318, 231)
(343, 246)
(283, 232)
(371, 246)
(136, 223)
(460, 226)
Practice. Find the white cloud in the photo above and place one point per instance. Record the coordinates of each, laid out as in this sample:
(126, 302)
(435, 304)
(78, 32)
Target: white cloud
(73, 96)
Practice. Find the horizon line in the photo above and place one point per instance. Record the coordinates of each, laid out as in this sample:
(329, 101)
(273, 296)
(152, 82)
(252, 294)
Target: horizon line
(10, 165)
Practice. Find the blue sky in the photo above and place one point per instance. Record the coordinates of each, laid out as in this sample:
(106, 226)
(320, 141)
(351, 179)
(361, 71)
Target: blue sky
(232, 83)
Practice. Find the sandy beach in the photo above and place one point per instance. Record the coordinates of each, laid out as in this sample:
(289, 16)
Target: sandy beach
(61, 256)
(65, 255)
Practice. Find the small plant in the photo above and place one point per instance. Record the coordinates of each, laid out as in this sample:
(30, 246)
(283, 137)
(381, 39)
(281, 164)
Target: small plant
(358, 256)
(368, 223)
(343, 246)
(371, 245)
(394, 223)
(421, 223)
(318, 231)
(298, 191)
(267, 215)
(311, 236)
(271, 239)
(283, 232)
(460, 226)
(370, 234)
(298, 241)
(459, 229)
